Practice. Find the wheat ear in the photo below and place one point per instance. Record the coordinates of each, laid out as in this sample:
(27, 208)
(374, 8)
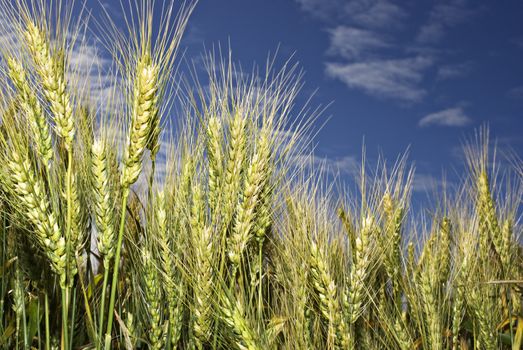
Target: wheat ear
(153, 298)
(29, 190)
(255, 180)
(33, 109)
(202, 242)
(358, 273)
(444, 252)
(103, 204)
(428, 283)
(337, 331)
(215, 156)
(173, 287)
(235, 161)
(392, 261)
(488, 221)
(144, 102)
(144, 111)
(53, 82)
(233, 317)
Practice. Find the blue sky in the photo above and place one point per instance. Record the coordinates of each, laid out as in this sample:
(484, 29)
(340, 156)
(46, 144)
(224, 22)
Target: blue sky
(419, 74)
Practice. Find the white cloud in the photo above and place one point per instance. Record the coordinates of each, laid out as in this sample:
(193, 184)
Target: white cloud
(442, 17)
(447, 117)
(352, 43)
(395, 78)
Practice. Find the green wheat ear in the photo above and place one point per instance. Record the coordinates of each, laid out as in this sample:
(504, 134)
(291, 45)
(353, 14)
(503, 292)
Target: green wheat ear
(29, 190)
(33, 110)
(53, 82)
(103, 202)
(144, 112)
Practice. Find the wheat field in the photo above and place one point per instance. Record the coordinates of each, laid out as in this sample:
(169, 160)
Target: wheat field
(177, 214)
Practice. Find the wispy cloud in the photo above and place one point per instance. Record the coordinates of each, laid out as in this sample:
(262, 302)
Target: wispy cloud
(353, 43)
(443, 17)
(369, 49)
(517, 41)
(320, 8)
(375, 13)
(395, 78)
(426, 183)
(344, 165)
(364, 13)
(447, 117)
(362, 53)
(452, 71)
(341, 165)
(516, 93)
(91, 74)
